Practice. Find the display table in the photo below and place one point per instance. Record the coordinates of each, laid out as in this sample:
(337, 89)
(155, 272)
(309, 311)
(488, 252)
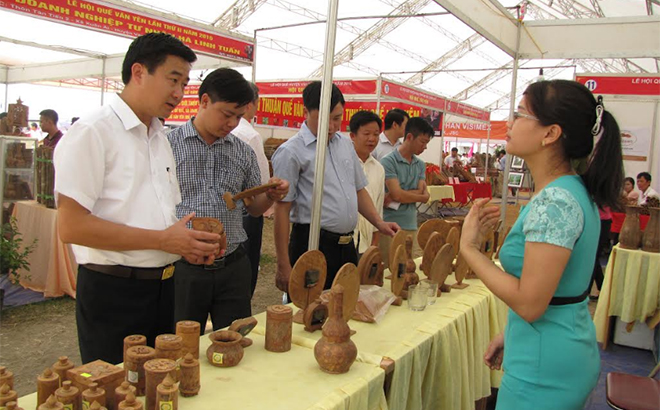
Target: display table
(53, 268)
(631, 289)
(438, 195)
(466, 192)
(618, 218)
(438, 353)
(290, 380)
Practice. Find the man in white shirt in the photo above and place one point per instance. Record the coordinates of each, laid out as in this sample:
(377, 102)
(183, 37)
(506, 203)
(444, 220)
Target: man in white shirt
(253, 225)
(644, 185)
(451, 159)
(365, 127)
(117, 189)
(395, 127)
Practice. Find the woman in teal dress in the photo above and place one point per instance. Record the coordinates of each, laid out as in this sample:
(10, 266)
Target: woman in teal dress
(549, 352)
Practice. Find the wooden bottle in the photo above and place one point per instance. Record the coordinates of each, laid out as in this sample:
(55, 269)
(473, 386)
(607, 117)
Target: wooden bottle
(631, 234)
(122, 391)
(168, 394)
(47, 383)
(7, 395)
(12, 405)
(189, 330)
(136, 357)
(169, 346)
(130, 403)
(51, 403)
(96, 406)
(155, 371)
(133, 340)
(6, 377)
(189, 380)
(335, 352)
(69, 396)
(93, 394)
(61, 366)
(279, 323)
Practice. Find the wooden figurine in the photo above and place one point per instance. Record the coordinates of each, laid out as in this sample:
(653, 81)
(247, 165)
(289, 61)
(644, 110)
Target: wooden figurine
(279, 328)
(190, 376)
(335, 352)
(136, 357)
(244, 327)
(130, 403)
(211, 225)
(307, 281)
(155, 371)
(47, 383)
(167, 394)
(441, 267)
(189, 330)
(246, 195)
(69, 396)
(348, 278)
(6, 377)
(93, 394)
(371, 267)
(225, 349)
(51, 403)
(123, 390)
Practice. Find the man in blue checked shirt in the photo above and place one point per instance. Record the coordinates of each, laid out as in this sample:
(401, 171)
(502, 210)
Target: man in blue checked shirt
(209, 162)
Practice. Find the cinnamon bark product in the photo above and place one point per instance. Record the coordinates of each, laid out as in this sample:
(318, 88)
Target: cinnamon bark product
(47, 383)
(7, 395)
(131, 403)
(167, 396)
(155, 371)
(189, 332)
(6, 377)
(122, 391)
(136, 357)
(169, 346)
(133, 340)
(189, 382)
(93, 394)
(69, 396)
(51, 403)
(279, 326)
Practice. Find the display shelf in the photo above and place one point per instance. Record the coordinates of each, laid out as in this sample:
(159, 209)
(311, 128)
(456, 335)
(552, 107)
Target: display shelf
(17, 159)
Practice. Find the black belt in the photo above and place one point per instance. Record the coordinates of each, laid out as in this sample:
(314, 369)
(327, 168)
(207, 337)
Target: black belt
(221, 262)
(129, 272)
(569, 300)
(327, 236)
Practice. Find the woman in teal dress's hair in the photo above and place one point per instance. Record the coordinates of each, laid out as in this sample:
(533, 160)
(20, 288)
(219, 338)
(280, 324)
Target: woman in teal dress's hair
(548, 349)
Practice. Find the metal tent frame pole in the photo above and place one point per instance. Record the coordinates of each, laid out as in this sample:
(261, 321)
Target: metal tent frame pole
(324, 117)
(487, 148)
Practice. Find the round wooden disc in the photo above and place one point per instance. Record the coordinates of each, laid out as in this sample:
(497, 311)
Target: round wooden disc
(366, 271)
(442, 264)
(462, 268)
(300, 295)
(399, 239)
(433, 245)
(398, 269)
(348, 277)
(427, 228)
(453, 238)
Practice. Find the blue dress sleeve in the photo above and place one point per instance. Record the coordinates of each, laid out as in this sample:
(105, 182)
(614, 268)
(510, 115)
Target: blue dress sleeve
(554, 217)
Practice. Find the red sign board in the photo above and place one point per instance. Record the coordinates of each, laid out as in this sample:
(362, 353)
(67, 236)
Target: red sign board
(350, 87)
(394, 90)
(95, 15)
(621, 85)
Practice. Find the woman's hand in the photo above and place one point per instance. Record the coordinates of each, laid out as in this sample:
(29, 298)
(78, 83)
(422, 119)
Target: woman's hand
(478, 222)
(495, 353)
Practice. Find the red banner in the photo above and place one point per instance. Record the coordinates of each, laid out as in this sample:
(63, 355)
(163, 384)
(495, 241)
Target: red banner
(414, 96)
(187, 107)
(111, 19)
(621, 85)
(347, 87)
(467, 111)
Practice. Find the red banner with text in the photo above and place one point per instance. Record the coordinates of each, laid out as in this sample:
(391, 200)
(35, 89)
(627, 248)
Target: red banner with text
(98, 16)
(621, 85)
(347, 87)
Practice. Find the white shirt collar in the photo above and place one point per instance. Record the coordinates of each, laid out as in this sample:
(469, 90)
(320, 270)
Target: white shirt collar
(128, 118)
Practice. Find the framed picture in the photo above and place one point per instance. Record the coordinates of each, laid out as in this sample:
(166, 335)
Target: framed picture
(517, 163)
(515, 179)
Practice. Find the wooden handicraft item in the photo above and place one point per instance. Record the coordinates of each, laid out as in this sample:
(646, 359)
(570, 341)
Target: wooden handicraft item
(335, 352)
(442, 267)
(69, 396)
(279, 327)
(226, 349)
(398, 240)
(155, 371)
(454, 239)
(244, 327)
(7, 395)
(136, 357)
(307, 281)
(631, 234)
(51, 403)
(189, 381)
(93, 394)
(189, 330)
(6, 377)
(651, 237)
(122, 392)
(428, 228)
(246, 195)
(106, 375)
(133, 340)
(499, 248)
(371, 267)
(47, 383)
(398, 269)
(461, 270)
(432, 247)
(167, 394)
(488, 245)
(211, 225)
(130, 403)
(348, 278)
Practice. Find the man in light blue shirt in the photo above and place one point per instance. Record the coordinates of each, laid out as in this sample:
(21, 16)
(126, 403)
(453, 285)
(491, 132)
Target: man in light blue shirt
(405, 180)
(344, 193)
(392, 137)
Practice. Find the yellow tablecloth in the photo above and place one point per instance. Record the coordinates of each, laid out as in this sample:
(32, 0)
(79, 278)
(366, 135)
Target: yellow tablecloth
(440, 192)
(631, 289)
(53, 268)
(438, 352)
(290, 380)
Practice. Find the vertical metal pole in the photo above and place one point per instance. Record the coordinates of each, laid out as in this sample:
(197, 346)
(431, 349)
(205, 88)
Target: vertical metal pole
(442, 139)
(379, 88)
(654, 137)
(509, 157)
(324, 117)
(102, 80)
(254, 58)
(490, 125)
(6, 107)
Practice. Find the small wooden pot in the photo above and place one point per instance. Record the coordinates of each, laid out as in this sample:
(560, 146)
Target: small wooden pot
(226, 349)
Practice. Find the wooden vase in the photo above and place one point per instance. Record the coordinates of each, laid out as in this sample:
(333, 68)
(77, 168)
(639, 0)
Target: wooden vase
(630, 235)
(335, 352)
(226, 349)
(651, 237)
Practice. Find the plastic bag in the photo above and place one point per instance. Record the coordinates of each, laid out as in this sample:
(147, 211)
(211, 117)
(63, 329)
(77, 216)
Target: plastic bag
(373, 303)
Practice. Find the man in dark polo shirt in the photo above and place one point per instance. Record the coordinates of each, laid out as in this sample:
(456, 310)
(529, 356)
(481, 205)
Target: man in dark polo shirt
(48, 123)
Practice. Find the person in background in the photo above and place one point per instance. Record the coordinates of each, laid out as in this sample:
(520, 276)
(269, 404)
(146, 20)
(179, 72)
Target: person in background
(35, 132)
(211, 161)
(453, 158)
(405, 180)
(392, 137)
(344, 193)
(632, 196)
(644, 185)
(365, 127)
(48, 123)
(501, 160)
(116, 191)
(253, 225)
(549, 351)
